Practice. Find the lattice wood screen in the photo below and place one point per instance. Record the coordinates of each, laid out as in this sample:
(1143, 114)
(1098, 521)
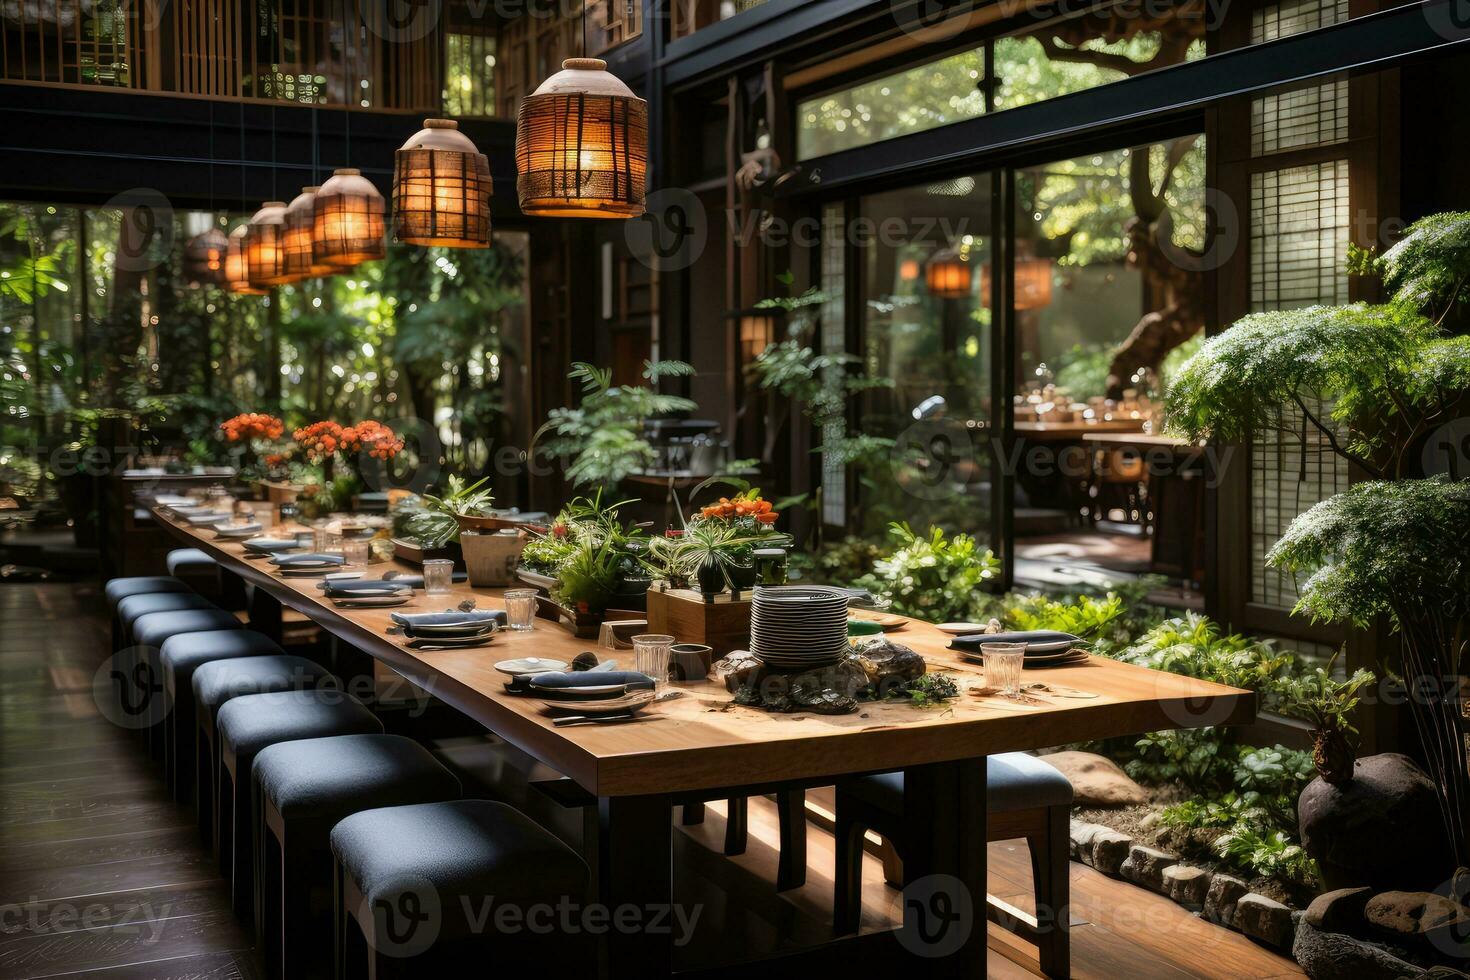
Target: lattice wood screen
(1300, 226)
(318, 52)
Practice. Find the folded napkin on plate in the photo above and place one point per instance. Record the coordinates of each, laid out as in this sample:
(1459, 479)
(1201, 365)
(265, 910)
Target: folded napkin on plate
(1037, 641)
(570, 680)
(370, 586)
(417, 581)
(474, 618)
(310, 560)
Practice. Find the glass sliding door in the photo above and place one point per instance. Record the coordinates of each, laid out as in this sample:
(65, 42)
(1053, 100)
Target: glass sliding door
(926, 326)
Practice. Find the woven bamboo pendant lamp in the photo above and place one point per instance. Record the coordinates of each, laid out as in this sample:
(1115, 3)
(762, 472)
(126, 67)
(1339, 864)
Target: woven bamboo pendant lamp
(265, 246)
(582, 145)
(237, 277)
(441, 189)
(347, 221)
(204, 257)
(300, 231)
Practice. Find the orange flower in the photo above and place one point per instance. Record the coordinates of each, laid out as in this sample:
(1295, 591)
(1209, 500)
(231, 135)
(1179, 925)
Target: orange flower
(252, 425)
(318, 440)
(377, 439)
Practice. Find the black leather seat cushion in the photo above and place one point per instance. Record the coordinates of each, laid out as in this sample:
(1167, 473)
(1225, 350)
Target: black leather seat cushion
(1013, 781)
(219, 681)
(329, 778)
(134, 607)
(120, 588)
(248, 724)
(184, 653)
(471, 849)
(151, 630)
(190, 561)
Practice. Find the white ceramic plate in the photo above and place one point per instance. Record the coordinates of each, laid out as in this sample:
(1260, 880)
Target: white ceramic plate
(962, 629)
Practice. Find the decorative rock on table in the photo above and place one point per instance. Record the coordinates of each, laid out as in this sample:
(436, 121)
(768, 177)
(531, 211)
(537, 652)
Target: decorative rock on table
(875, 669)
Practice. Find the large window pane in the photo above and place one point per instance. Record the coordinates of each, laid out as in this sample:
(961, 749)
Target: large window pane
(1095, 49)
(934, 94)
(926, 325)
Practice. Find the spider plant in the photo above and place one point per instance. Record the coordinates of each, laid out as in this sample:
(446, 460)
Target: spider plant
(437, 524)
(707, 552)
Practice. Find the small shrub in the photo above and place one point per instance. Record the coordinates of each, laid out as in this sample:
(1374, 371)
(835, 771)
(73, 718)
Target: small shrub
(932, 577)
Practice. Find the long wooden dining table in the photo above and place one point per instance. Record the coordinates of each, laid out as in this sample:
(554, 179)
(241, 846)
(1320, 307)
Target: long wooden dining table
(700, 746)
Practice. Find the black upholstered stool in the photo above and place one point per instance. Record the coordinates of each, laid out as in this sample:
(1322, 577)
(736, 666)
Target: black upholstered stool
(451, 860)
(302, 789)
(196, 568)
(215, 685)
(131, 608)
(246, 726)
(119, 589)
(149, 632)
(1025, 797)
(181, 655)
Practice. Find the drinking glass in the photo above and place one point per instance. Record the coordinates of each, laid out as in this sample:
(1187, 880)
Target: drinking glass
(438, 573)
(355, 552)
(324, 541)
(651, 657)
(520, 609)
(1003, 663)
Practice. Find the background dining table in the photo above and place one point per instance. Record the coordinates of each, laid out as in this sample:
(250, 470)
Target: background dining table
(699, 745)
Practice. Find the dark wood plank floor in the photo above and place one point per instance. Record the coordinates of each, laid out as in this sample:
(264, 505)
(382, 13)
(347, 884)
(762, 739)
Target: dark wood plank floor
(100, 873)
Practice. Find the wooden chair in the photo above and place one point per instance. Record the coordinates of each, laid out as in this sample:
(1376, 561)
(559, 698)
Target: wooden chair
(1025, 798)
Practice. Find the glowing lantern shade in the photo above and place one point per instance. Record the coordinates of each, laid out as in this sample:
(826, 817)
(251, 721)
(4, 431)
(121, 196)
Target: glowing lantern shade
(237, 277)
(300, 226)
(441, 189)
(265, 246)
(582, 145)
(204, 257)
(947, 275)
(1033, 284)
(348, 221)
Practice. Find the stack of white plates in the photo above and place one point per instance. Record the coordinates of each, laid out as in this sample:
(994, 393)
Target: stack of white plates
(798, 627)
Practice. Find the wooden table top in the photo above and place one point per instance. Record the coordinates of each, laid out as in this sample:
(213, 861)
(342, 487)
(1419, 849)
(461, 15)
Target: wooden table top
(701, 741)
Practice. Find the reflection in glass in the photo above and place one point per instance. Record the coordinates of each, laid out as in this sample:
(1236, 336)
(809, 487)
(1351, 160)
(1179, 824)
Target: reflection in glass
(926, 322)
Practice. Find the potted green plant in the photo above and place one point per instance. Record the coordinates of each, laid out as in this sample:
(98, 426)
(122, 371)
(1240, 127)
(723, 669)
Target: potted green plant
(462, 508)
(1328, 703)
(1373, 384)
(710, 553)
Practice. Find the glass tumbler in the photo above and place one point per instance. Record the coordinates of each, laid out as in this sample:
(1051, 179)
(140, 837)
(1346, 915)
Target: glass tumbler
(324, 540)
(520, 609)
(356, 552)
(438, 573)
(1003, 663)
(651, 657)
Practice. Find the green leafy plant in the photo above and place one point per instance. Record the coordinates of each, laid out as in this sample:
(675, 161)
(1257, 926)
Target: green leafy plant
(603, 436)
(1394, 547)
(435, 525)
(709, 551)
(1086, 616)
(931, 577)
(1192, 645)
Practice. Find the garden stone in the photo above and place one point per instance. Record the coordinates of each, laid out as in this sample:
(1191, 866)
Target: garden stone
(1145, 866)
(1082, 835)
(1325, 955)
(1187, 885)
(1225, 891)
(1381, 828)
(1109, 851)
(1261, 918)
(1417, 918)
(1097, 781)
(1340, 910)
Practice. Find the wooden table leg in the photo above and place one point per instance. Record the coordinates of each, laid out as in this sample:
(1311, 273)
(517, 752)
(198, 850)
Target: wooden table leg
(944, 867)
(635, 868)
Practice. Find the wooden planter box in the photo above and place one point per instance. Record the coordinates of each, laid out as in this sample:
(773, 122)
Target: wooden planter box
(683, 614)
(415, 553)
